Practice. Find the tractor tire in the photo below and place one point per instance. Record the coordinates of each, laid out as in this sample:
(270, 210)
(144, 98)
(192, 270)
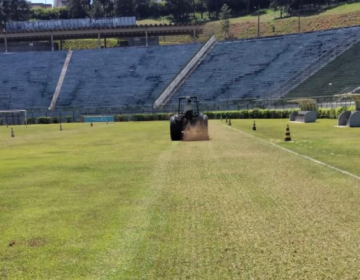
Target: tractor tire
(175, 128)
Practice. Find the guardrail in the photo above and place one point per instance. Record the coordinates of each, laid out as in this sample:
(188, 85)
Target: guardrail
(184, 72)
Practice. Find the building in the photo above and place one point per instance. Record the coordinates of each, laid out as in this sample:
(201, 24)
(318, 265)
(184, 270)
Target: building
(40, 5)
(60, 3)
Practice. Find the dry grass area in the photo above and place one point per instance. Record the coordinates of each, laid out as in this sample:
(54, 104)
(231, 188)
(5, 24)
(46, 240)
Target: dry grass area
(234, 207)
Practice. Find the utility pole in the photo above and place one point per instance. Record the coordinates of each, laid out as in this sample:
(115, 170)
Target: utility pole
(258, 26)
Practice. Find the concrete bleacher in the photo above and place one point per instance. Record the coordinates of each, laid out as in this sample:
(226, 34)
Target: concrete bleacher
(28, 80)
(123, 76)
(341, 75)
(252, 68)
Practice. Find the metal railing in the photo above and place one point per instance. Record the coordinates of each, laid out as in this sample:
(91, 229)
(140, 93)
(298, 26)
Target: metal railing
(184, 72)
(311, 69)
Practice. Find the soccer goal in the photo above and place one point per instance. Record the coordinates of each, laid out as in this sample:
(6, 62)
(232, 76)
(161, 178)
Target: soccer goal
(13, 117)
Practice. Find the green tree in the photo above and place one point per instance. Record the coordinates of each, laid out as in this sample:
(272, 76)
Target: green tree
(125, 8)
(179, 8)
(97, 10)
(77, 9)
(14, 10)
(225, 14)
(143, 9)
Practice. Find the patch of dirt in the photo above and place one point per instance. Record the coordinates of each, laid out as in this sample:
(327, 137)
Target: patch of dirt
(36, 242)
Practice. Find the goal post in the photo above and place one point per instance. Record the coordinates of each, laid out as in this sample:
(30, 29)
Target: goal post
(13, 117)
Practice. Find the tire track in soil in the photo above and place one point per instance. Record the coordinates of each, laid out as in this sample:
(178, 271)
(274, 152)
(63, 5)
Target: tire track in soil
(231, 208)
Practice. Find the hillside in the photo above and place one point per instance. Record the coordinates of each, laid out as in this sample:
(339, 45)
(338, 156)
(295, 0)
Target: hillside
(339, 76)
(246, 27)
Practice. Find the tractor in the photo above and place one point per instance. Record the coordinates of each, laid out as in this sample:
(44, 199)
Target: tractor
(189, 124)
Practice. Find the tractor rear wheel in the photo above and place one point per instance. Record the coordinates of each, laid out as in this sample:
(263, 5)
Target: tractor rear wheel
(175, 128)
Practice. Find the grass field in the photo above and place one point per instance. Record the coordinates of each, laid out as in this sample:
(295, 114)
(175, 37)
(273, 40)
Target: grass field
(121, 201)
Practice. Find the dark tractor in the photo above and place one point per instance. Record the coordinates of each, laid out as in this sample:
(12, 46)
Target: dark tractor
(189, 124)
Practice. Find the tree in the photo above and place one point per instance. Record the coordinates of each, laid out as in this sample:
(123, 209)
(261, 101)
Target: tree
(76, 9)
(179, 8)
(225, 14)
(14, 10)
(125, 8)
(143, 9)
(97, 10)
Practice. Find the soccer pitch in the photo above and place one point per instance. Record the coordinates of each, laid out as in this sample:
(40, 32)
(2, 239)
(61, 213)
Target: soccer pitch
(121, 201)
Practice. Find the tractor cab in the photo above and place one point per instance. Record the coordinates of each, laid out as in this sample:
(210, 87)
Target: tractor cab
(189, 124)
(188, 107)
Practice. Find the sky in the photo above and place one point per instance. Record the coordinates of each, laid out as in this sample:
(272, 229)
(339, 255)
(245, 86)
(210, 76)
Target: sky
(43, 1)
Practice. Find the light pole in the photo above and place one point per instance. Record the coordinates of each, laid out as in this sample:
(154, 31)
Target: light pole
(258, 27)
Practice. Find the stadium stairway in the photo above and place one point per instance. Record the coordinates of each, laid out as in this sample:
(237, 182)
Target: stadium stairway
(340, 75)
(252, 68)
(122, 76)
(28, 80)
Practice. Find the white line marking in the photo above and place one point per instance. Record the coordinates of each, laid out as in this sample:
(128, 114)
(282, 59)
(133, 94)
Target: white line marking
(300, 155)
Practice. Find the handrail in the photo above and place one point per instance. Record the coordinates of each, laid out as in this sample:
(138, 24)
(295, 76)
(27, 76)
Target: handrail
(311, 69)
(185, 70)
(61, 80)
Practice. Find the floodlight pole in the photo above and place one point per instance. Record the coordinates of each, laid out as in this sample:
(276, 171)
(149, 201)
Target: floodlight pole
(52, 42)
(6, 45)
(258, 26)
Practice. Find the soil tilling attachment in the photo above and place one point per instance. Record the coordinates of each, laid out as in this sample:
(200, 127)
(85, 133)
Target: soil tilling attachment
(189, 124)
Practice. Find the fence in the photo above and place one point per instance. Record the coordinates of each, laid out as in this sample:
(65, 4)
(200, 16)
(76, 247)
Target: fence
(71, 24)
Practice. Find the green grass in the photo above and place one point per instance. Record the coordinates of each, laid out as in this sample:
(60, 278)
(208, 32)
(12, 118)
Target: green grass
(246, 26)
(121, 201)
(321, 140)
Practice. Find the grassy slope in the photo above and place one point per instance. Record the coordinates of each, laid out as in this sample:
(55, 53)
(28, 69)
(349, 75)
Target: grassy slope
(341, 75)
(123, 202)
(246, 27)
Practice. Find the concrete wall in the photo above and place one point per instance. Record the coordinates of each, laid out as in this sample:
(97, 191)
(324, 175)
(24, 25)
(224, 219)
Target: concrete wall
(28, 47)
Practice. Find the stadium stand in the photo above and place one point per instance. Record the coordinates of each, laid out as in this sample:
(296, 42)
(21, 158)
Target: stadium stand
(252, 68)
(136, 76)
(340, 75)
(28, 80)
(123, 76)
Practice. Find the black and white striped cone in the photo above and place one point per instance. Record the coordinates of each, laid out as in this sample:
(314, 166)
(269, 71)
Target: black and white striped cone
(229, 122)
(12, 132)
(226, 120)
(91, 124)
(60, 127)
(287, 134)
(254, 126)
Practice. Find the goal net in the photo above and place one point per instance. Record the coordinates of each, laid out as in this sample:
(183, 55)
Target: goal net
(13, 117)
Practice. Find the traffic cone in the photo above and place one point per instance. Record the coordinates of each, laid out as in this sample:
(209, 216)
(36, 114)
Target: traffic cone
(287, 134)
(12, 132)
(229, 122)
(254, 126)
(60, 127)
(221, 118)
(226, 120)
(91, 124)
